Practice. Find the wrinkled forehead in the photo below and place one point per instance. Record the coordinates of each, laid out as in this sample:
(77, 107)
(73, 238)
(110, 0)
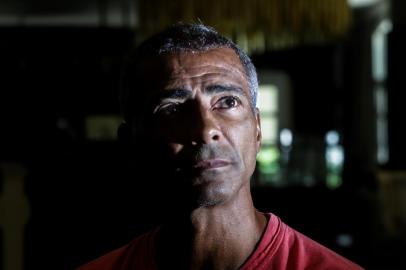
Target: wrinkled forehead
(150, 74)
(158, 70)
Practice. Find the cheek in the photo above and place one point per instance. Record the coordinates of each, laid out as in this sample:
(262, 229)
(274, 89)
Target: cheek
(244, 140)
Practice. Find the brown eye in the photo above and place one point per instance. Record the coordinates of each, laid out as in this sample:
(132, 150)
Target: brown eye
(227, 102)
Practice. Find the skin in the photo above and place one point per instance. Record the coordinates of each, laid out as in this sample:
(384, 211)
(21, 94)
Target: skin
(200, 118)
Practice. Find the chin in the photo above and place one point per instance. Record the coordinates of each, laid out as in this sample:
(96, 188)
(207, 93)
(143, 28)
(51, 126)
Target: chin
(212, 194)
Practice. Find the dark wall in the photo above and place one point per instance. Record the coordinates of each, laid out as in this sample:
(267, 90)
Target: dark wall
(52, 78)
(51, 74)
(397, 97)
(84, 199)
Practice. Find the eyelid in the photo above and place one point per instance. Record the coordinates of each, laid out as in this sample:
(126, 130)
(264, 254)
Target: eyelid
(236, 98)
(232, 96)
(163, 105)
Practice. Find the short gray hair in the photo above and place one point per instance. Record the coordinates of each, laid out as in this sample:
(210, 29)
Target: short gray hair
(181, 37)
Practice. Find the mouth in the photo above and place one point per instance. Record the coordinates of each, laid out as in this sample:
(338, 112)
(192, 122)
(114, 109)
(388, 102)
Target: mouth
(210, 164)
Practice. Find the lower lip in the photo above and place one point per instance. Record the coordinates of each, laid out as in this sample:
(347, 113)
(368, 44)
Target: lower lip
(212, 164)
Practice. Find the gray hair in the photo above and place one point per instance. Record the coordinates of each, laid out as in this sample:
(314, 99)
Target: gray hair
(181, 37)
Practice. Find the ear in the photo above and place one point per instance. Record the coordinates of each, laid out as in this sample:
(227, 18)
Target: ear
(258, 130)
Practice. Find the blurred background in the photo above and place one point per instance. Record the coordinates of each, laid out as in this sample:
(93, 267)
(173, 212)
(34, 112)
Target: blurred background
(332, 162)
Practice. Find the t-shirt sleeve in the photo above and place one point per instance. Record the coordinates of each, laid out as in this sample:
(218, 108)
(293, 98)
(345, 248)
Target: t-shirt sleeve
(139, 254)
(110, 261)
(309, 254)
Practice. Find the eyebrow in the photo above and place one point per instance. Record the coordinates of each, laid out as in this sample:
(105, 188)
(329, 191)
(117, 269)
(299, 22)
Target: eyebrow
(219, 88)
(182, 93)
(176, 93)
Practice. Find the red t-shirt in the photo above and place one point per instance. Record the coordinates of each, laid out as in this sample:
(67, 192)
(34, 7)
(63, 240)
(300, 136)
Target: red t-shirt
(281, 247)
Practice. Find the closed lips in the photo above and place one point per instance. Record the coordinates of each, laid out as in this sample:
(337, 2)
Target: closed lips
(211, 164)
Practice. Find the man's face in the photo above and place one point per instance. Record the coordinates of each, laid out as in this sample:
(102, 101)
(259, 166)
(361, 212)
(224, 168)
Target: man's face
(202, 125)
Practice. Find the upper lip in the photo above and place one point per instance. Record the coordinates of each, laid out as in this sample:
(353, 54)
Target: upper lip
(210, 164)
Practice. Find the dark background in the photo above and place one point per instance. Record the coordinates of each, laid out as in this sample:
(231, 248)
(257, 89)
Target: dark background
(85, 200)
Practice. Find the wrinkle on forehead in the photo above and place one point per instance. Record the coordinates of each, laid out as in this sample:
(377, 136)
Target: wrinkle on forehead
(219, 62)
(192, 70)
(223, 58)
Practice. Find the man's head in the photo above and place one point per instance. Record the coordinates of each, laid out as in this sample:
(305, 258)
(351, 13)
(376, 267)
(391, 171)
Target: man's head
(176, 39)
(191, 94)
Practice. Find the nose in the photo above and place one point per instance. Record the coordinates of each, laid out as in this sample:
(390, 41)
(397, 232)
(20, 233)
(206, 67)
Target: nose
(204, 128)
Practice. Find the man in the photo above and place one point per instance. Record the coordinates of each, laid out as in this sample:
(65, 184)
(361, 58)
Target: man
(188, 99)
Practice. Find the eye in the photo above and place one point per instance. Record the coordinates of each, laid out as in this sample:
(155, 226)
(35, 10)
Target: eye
(167, 110)
(227, 102)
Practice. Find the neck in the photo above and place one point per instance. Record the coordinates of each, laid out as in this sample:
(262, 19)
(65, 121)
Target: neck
(216, 237)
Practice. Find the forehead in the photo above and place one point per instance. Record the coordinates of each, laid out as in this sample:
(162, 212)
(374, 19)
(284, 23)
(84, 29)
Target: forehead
(214, 64)
(215, 59)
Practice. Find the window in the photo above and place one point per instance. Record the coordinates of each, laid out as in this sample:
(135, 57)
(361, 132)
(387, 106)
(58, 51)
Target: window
(273, 103)
(379, 75)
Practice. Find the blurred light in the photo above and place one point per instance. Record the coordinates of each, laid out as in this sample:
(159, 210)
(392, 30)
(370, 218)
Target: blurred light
(286, 137)
(379, 45)
(333, 181)
(334, 159)
(102, 127)
(382, 141)
(335, 155)
(332, 137)
(268, 155)
(268, 109)
(381, 103)
(379, 51)
(268, 160)
(334, 163)
(267, 98)
(269, 130)
(344, 240)
(381, 100)
(361, 3)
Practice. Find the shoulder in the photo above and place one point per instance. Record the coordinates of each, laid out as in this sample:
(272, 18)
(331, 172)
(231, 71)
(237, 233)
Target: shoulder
(282, 247)
(137, 252)
(311, 254)
(109, 261)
